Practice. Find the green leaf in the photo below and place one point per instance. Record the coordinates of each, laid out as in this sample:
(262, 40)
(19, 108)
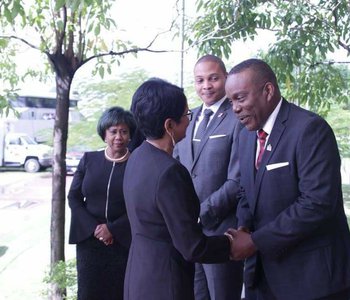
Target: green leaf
(59, 4)
(101, 71)
(60, 25)
(8, 14)
(97, 29)
(4, 43)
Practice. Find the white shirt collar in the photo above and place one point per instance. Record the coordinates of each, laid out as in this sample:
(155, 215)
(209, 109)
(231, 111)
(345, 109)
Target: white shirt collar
(214, 107)
(272, 118)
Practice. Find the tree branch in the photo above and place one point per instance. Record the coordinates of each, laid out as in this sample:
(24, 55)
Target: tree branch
(61, 36)
(81, 45)
(53, 23)
(70, 44)
(335, 16)
(328, 63)
(346, 47)
(9, 37)
(120, 53)
(217, 35)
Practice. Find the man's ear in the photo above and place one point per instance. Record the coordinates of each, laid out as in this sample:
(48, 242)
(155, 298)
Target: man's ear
(269, 90)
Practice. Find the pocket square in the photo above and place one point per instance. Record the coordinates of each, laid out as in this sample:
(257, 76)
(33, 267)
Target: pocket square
(217, 136)
(277, 165)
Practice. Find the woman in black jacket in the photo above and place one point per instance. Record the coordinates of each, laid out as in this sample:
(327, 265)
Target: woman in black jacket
(99, 223)
(161, 202)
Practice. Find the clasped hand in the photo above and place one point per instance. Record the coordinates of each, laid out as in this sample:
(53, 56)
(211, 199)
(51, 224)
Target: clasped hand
(242, 245)
(103, 234)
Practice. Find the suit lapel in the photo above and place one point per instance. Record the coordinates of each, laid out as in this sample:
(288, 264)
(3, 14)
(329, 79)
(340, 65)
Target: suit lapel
(190, 131)
(271, 146)
(220, 115)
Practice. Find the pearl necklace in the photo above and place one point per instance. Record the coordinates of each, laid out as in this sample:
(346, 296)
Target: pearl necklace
(119, 159)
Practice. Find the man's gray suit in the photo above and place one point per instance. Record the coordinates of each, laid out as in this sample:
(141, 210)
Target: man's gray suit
(215, 174)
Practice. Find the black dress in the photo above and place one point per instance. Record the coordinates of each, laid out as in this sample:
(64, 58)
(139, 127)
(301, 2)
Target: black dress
(96, 197)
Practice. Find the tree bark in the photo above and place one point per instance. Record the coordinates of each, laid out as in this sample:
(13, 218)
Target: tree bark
(63, 84)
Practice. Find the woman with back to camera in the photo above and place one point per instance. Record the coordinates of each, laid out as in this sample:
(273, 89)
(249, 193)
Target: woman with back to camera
(99, 223)
(162, 205)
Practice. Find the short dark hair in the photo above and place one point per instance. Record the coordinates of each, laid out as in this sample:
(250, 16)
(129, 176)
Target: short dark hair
(261, 70)
(114, 116)
(154, 101)
(212, 58)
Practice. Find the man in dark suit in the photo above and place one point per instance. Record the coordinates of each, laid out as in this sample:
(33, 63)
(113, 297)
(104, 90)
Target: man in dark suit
(291, 222)
(213, 165)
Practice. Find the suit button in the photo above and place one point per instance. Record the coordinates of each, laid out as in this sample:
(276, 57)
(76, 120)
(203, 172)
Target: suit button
(193, 175)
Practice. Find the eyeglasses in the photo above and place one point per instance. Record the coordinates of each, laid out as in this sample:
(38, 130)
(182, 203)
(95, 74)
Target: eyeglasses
(188, 115)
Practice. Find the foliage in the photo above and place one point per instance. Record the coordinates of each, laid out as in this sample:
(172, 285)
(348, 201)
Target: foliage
(95, 98)
(74, 27)
(7, 74)
(99, 95)
(338, 118)
(346, 197)
(306, 32)
(63, 274)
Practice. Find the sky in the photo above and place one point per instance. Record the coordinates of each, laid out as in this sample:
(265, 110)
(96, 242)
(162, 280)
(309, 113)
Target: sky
(140, 21)
(154, 16)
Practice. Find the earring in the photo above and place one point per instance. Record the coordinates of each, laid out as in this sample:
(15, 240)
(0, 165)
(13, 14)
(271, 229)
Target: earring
(172, 138)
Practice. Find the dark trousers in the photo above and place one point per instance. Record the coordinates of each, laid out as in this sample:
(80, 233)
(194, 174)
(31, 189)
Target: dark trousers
(218, 281)
(263, 292)
(343, 295)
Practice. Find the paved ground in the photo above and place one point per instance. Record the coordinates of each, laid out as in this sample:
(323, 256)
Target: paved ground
(25, 234)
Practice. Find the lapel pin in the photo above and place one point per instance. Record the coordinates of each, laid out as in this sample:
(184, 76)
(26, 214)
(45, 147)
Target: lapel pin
(269, 147)
(220, 115)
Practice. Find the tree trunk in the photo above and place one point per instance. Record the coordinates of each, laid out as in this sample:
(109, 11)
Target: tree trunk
(63, 84)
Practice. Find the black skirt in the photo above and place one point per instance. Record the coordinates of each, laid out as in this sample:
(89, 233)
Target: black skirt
(101, 270)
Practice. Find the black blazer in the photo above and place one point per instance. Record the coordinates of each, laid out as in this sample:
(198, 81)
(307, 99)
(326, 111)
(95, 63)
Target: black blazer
(88, 201)
(163, 209)
(294, 207)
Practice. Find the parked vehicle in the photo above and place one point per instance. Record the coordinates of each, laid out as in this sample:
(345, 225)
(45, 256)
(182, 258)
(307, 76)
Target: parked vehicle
(72, 161)
(19, 150)
(32, 118)
(73, 156)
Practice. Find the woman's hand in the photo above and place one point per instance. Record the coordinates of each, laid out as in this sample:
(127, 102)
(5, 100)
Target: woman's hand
(103, 234)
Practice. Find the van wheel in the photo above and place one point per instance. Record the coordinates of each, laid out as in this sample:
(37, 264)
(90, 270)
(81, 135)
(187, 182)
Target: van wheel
(32, 165)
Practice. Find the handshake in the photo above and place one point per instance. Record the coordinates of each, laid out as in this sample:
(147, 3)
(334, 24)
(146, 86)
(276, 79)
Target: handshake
(242, 245)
